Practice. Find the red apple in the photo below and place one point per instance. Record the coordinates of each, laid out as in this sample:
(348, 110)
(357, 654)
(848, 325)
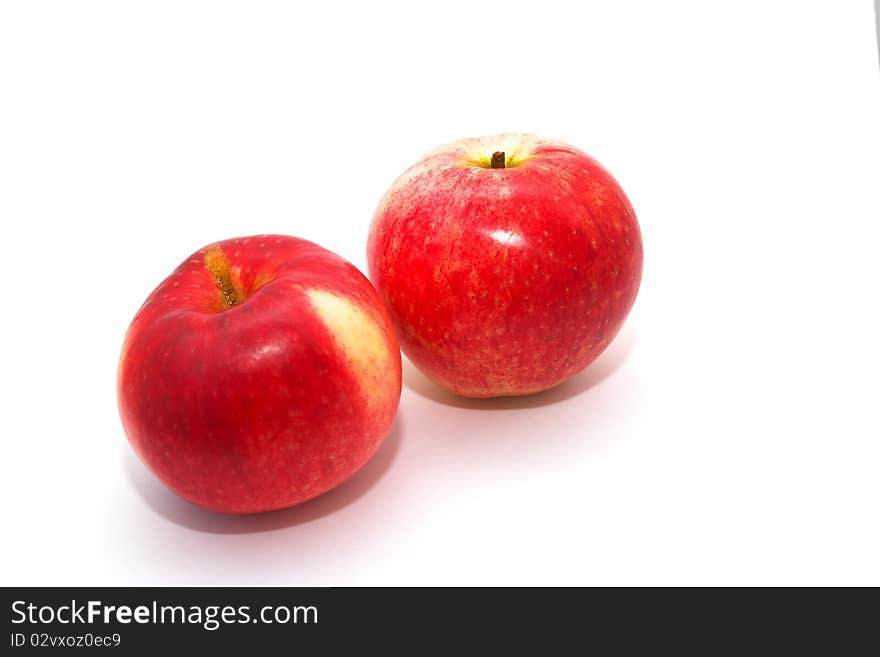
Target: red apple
(508, 263)
(263, 372)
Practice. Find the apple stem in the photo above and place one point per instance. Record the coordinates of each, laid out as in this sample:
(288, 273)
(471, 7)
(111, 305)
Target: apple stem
(497, 160)
(218, 266)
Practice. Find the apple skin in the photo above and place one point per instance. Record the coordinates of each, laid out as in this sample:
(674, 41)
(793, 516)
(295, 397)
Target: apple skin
(505, 281)
(269, 402)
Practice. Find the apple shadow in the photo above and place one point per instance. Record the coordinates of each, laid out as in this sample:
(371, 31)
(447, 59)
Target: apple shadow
(603, 367)
(180, 512)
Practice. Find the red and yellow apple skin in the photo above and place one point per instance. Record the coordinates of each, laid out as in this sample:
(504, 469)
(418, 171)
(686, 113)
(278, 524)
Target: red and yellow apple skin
(263, 372)
(508, 280)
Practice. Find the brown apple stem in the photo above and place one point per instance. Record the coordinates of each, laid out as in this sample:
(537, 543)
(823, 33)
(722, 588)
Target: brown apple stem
(498, 160)
(218, 266)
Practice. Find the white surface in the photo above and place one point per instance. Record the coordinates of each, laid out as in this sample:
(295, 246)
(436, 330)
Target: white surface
(729, 436)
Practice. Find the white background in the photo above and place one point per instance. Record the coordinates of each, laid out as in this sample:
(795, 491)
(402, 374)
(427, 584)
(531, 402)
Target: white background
(730, 435)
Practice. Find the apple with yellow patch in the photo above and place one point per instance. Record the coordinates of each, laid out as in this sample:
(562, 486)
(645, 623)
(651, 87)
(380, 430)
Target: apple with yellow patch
(264, 371)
